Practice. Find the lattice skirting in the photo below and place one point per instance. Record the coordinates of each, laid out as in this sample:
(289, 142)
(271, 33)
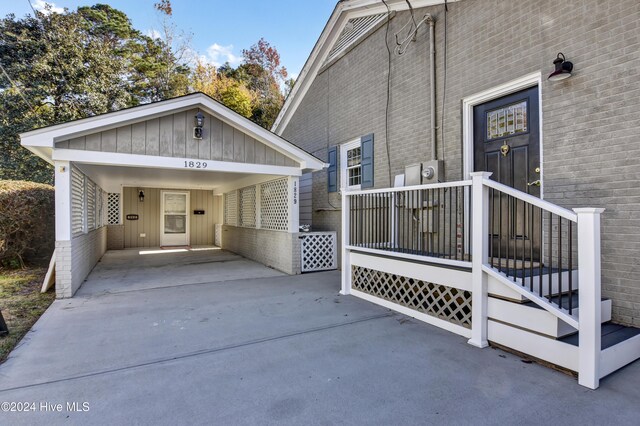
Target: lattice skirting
(319, 251)
(440, 301)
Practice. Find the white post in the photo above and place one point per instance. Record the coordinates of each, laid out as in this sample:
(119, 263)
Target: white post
(589, 296)
(294, 204)
(62, 175)
(346, 254)
(480, 256)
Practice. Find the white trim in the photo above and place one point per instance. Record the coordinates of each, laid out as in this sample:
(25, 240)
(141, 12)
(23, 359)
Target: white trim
(619, 355)
(469, 102)
(451, 184)
(165, 238)
(402, 264)
(422, 259)
(47, 137)
(62, 173)
(440, 323)
(152, 161)
(344, 148)
(343, 11)
(545, 205)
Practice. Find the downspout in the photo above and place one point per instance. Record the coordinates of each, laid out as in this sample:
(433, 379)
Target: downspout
(432, 84)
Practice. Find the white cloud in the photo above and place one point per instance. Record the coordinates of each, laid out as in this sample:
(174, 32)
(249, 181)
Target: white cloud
(218, 55)
(153, 33)
(40, 6)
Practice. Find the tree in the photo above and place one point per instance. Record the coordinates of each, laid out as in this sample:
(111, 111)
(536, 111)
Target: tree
(224, 88)
(64, 66)
(262, 66)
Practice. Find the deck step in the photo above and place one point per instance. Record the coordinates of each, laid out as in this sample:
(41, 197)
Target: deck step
(532, 317)
(611, 335)
(496, 288)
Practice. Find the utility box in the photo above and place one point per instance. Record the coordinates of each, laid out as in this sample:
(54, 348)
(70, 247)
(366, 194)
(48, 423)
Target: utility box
(424, 173)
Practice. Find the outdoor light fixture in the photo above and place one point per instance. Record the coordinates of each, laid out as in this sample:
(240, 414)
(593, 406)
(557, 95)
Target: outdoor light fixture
(563, 68)
(199, 120)
(141, 196)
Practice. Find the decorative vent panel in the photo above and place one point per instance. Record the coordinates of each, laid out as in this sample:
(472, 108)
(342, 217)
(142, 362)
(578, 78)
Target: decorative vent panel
(77, 202)
(91, 205)
(231, 208)
(248, 207)
(274, 205)
(319, 252)
(113, 209)
(355, 29)
(446, 303)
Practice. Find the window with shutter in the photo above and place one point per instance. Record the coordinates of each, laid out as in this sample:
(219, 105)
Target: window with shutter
(356, 163)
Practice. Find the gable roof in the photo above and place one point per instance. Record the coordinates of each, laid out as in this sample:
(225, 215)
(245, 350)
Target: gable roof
(42, 141)
(334, 39)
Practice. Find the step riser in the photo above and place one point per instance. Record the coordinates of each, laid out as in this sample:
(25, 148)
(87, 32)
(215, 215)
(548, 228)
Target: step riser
(535, 345)
(498, 289)
(534, 319)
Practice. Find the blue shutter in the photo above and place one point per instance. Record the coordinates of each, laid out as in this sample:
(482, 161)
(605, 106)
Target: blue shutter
(367, 161)
(332, 171)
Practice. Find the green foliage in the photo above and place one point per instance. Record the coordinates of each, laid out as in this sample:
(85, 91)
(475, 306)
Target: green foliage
(74, 65)
(26, 222)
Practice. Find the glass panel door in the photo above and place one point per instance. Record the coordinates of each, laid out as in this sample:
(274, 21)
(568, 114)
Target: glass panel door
(175, 218)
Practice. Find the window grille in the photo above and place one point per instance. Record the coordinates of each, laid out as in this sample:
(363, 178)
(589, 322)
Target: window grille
(274, 205)
(248, 207)
(113, 208)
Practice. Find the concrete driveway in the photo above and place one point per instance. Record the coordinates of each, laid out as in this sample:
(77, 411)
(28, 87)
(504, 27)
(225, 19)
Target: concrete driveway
(274, 350)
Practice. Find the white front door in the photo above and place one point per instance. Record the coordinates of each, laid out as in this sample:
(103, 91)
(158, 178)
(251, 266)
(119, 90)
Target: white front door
(174, 218)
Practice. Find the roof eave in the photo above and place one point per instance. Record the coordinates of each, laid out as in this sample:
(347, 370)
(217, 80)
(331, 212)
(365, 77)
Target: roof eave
(343, 11)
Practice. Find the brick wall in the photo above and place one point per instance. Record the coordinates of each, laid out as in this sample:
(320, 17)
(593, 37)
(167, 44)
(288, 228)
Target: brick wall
(591, 132)
(76, 258)
(275, 249)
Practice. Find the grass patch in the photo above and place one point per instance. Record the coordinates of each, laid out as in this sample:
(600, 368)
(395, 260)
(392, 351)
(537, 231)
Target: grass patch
(21, 303)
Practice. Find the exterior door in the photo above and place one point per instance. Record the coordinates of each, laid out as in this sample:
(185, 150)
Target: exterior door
(507, 143)
(174, 218)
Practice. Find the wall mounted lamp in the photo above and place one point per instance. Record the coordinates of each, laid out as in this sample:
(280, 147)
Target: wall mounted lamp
(563, 68)
(141, 196)
(199, 121)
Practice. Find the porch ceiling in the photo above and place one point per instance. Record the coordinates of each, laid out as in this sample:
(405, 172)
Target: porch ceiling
(112, 178)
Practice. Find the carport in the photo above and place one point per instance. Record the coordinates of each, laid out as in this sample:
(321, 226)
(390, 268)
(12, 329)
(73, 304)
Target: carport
(181, 173)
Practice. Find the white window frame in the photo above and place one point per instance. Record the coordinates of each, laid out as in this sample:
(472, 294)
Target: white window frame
(344, 176)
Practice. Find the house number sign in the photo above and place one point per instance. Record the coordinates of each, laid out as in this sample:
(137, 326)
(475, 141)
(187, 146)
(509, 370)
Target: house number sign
(195, 164)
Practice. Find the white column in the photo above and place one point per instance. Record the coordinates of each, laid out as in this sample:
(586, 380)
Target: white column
(294, 204)
(480, 256)
(346, 254)
(62, 175)
(589, 296)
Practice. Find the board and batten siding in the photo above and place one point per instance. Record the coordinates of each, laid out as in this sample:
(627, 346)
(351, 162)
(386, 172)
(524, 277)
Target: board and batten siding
(201, 226)
(172, 136)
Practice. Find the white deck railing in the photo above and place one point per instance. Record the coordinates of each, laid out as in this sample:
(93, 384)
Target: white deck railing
(456, 224)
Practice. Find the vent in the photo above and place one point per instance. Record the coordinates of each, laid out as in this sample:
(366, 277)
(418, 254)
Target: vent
(354, 30)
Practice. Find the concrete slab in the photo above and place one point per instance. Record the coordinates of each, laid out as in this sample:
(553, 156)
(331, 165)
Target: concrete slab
(138, 269)
(281, 350)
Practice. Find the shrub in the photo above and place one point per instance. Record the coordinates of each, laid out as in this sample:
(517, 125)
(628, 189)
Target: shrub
(27, 223)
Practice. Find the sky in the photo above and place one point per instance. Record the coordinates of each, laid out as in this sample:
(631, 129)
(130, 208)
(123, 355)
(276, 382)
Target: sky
(221, 28)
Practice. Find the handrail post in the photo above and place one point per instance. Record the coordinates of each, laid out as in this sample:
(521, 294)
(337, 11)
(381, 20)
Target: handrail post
(346, 257)
(480, 255)
(589, 296)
